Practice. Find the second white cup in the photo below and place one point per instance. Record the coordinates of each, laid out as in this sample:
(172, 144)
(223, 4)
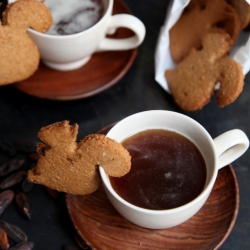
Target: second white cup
(69, 52)
(217, 153)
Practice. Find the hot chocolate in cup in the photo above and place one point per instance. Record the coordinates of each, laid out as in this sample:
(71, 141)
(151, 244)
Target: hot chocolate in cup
(67, 51)
(217, 153)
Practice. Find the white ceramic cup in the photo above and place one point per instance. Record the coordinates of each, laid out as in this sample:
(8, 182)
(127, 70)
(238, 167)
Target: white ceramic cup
(69, 52)
(217, 153)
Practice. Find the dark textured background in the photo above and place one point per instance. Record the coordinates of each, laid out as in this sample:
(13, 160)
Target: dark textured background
(21, 116)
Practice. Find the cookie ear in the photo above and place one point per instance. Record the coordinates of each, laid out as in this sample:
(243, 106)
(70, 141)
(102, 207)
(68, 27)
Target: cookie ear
(25, 14)
(231, 80)
(60, 135)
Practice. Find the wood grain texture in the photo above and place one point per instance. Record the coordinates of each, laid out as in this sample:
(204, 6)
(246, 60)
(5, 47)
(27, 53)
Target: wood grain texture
(101, 72)
(103, 228)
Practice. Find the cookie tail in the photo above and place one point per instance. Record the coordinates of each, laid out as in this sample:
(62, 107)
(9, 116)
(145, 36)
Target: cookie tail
(106, 152)
(231, 80)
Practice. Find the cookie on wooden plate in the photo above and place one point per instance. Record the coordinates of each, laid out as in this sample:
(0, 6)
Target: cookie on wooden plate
(72, 167)
(19, 54)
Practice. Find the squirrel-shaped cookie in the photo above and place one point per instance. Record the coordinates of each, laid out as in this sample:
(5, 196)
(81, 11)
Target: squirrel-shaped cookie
(71, 167)
(193, 80)
(19, 54)
(199, 18)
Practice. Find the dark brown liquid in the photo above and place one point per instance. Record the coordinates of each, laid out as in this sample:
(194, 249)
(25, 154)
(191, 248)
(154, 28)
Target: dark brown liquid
(167, 170)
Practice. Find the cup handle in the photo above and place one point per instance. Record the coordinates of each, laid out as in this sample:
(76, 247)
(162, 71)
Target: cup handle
(230, 146)
(125, 21)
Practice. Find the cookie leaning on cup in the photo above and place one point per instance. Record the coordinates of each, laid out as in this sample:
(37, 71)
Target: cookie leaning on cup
(72, 167)
(19, 54)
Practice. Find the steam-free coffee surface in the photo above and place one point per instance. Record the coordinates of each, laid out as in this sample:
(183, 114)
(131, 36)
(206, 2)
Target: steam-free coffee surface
(73, 16)
(167, 170)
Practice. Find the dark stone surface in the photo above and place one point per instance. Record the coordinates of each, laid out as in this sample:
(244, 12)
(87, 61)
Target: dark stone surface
(21, 116)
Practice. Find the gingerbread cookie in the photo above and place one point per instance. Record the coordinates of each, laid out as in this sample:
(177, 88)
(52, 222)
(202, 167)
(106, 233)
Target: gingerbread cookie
(193, 80)
(19, 54)
(72, 167)
(199, 18)
(231, 80)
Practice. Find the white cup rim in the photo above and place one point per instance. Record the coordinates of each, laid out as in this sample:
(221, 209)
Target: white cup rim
(64, 37)
(206, 190)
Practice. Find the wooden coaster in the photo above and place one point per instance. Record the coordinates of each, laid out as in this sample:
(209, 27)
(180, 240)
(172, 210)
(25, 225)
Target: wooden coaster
(103, 228)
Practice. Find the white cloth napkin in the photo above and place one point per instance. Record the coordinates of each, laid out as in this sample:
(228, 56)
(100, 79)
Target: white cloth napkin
(163, 60)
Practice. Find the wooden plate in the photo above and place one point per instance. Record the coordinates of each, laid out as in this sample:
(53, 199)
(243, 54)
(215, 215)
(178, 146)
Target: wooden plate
(103, 228)
(101, 72)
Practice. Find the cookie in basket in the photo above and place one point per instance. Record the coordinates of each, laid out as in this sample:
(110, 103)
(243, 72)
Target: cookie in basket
(199, 18)
(193, 80)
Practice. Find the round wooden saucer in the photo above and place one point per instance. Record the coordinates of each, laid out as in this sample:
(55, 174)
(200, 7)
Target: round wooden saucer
(103, 228)
(101, 72)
